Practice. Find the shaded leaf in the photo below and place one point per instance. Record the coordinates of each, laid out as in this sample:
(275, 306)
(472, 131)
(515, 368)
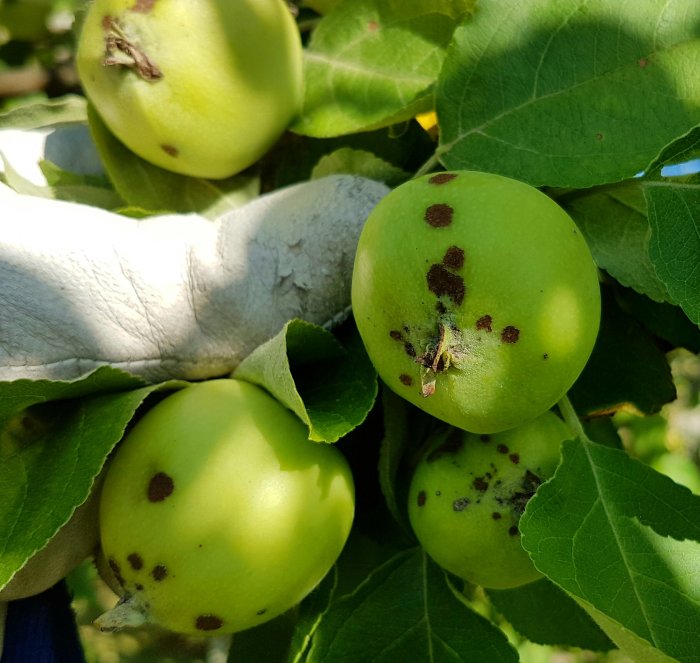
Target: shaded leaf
(69, 108)
(569, 94)
(665, 321)
(626, 369)
(330, 386)
(143, 185)
(359, 162)
(543, 613)
(54, 440)
(624, 539)
(618, 236)
(406, 611)
(674, 216)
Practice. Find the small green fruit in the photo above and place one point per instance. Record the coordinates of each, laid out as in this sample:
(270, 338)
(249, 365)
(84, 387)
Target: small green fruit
(476, 297)
(468, 493)
(200, 88)
(218, 513)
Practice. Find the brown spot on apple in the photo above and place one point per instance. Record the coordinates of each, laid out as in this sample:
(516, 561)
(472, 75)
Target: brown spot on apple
(439, 215)
(443, 283)
(442, 178)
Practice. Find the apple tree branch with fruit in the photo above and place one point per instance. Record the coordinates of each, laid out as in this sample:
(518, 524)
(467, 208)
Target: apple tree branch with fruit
(353, 330)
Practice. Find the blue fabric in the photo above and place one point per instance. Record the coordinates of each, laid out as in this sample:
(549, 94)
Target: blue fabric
(42, 629)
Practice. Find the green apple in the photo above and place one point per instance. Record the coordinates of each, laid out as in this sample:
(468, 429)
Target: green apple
(476, 297)
(217, 512)
(201, 88)
(468, 492)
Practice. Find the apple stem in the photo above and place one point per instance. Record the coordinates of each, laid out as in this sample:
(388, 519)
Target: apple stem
(571, 418)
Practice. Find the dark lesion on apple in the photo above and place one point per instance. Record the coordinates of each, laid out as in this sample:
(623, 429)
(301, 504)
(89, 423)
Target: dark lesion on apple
(122, 52)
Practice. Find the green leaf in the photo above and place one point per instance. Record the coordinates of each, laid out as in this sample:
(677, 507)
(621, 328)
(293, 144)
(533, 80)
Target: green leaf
(405, 146)
(457, 10)
(143, 185)
(69, 108)
(369, 65)
(328, 382)
(664, 321)
(310, 614)
(618, 236)
(569, 94)
(546, 615)
(91, 190)
(359, 162)
(674, 215)
(267, 643)
(624, 539)
(405, 430)
(406, 611)
(686, 148)
(54, 439)
(626, 369)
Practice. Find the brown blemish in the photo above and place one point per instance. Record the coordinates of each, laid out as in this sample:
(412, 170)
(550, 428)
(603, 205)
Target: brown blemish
(502, 449)
(545, 356)
(396, 335)
(406, 379)
(208, 623)
(460, 504)
(106, 22)
(510, 334)
(529, 485)
(409, 349)
(513, 530)
(441, 308)
(160, 487)
(136, 561)
(485, 438)
(159, 572)
(442, 178)
(484, 323)
(372, 26)
(496, 515)
(514, 458)
(143, 6)
(442, 282)
(643, 62)
(139, 587)
(439, 215)
(480, 484)
(454, 258)
(422, 497)
(599, 136)
(261, 612)
(170, 150)
(116, 570)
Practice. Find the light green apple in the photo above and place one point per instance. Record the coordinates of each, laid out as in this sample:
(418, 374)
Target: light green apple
(476, 297)
(217, 512)
(200, 88)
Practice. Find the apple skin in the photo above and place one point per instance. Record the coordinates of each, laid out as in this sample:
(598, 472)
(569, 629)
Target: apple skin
(217, 512)
(211, 88)
(467, 495)
(476, 297)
